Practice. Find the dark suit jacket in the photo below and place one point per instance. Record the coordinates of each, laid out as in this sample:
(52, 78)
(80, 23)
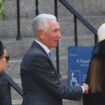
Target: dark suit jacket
(5, 91)
(40, 81)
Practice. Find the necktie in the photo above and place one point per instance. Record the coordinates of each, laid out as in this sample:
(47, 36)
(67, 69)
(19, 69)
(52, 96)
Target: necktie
(50, 56)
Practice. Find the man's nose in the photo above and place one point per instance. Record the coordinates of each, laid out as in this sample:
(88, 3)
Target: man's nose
(59, 35)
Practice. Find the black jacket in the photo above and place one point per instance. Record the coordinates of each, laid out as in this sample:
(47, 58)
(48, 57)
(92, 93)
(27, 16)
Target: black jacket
(5, 91)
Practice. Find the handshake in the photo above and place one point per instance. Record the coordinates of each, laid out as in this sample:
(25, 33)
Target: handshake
(85, 88)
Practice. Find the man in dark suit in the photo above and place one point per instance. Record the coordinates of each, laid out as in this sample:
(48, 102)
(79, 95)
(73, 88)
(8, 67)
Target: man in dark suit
(40, 81)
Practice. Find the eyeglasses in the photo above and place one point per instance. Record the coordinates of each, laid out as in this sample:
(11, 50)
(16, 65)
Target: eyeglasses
(6, 57)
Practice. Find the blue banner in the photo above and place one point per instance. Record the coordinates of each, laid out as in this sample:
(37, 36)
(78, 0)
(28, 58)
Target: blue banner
(78, 62)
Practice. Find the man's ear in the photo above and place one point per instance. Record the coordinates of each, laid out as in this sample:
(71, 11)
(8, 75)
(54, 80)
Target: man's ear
(41, 33)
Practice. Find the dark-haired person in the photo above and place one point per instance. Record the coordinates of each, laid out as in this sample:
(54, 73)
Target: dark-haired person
(40, 81)
(96, 73)
(5, 93)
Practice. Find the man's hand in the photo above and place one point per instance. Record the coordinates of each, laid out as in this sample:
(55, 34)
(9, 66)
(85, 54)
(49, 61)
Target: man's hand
(85, 88)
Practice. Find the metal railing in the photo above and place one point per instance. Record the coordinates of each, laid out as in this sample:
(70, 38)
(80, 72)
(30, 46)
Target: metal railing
(79, 17)
(18, 21)
(18, 36)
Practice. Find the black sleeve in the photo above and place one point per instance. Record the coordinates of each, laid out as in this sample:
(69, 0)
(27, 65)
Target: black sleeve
(87, 99)
(5, 92)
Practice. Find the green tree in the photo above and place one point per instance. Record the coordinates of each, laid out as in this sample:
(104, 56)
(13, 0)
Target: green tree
(2, 12)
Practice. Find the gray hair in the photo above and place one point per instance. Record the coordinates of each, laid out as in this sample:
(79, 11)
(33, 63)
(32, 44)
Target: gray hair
(41, 21)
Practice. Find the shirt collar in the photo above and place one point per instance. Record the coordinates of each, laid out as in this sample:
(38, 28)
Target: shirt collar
(43, 46)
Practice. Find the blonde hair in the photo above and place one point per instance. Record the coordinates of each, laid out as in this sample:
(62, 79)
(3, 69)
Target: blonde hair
(95, 83)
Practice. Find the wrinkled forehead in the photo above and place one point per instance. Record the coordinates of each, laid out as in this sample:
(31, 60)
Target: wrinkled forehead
(53, 24)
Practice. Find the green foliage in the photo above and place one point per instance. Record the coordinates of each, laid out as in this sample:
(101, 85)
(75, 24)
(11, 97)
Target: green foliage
(2, 12)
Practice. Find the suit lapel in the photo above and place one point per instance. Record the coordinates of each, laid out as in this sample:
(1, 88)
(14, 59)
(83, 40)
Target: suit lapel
(35, 44)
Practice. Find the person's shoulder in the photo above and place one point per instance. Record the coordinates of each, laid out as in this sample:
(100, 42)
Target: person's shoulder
(3, 81)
